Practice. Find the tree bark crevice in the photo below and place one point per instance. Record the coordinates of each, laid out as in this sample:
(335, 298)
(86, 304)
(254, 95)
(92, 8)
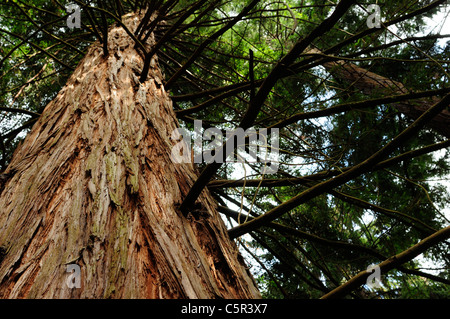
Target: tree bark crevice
(95, 185)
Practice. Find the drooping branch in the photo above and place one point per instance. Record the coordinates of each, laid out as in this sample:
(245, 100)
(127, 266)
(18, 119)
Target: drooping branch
(264, 90)
(315, 60)
(397, 42)
(139, 44)
(263, 266)
(292, 181)
(217, 98)
(281, 67)
(304, 235)
(344, 177)
(401, 98)
(369, 82)
(22, 111)
(104, 30)
(286, 230)
(404, 218)
(166, 36)
(283, 254)
(386, 24)
(42, 29)
(391, 263)
(44, 51)
(208, 41)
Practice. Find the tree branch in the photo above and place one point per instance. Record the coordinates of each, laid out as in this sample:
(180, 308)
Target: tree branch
(292, 181)
(331, 243)
(391, 263)
(344, 177)
(264, 90)
(358, 105)
(208, 41)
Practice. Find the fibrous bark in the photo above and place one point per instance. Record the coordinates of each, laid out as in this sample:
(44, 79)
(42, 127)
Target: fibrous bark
(94, 184)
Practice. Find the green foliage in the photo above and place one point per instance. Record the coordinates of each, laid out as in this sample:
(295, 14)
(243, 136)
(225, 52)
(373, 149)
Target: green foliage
(366, 220)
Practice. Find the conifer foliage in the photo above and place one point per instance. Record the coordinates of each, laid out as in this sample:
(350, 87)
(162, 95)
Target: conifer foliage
(92, 93)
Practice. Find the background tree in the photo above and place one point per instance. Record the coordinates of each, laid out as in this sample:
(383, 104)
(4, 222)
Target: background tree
(364, 126)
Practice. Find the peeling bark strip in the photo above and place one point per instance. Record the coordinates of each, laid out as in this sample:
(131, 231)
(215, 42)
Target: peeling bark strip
(94, 185)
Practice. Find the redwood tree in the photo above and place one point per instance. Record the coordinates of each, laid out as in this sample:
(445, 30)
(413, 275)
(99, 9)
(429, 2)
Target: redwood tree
(94, 184)
(87, 137)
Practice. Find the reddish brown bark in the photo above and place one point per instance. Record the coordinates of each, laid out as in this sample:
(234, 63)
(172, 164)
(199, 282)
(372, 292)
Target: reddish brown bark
(94, 184)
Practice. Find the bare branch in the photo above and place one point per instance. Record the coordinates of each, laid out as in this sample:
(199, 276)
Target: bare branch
(391, 263)
(357, 170)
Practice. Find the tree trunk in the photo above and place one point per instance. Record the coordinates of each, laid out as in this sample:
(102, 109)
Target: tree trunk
(370, 83)
(93, 184)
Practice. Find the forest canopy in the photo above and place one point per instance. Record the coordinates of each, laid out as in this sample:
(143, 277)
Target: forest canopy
(362, 111)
